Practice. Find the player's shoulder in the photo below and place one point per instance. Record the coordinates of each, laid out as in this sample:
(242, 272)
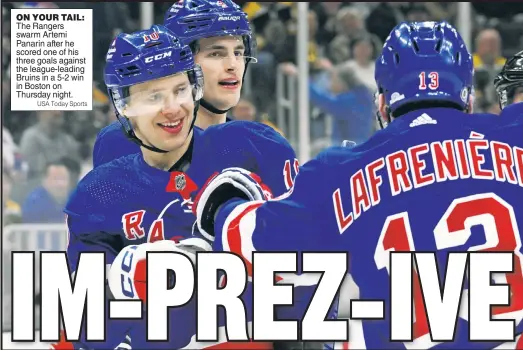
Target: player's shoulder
(241, 127)
(111, 143)
(246, 133)
(339, 155)
(509, 121)
(114, 127)
(513, 111)
(98, 189)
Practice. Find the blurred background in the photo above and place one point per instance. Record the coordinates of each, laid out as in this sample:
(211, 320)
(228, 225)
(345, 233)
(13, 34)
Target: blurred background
(314, 82)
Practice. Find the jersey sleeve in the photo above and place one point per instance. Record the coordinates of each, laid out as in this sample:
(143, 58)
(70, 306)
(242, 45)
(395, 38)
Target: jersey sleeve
(260, 149)
(277, 162)
(111, 143)
(295, 221)
(86, 233)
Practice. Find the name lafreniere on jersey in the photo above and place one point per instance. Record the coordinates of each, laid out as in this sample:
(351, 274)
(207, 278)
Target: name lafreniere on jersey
(452, 160)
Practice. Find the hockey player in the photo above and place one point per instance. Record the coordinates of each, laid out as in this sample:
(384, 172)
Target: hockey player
(417, 185)
(222, 31)
(509, 86)
(142, 201)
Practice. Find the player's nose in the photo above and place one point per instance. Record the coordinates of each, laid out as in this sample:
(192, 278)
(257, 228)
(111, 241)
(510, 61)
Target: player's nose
(231, 63)
(171, 107)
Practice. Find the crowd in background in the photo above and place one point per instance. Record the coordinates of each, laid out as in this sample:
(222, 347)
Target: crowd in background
(45, 153)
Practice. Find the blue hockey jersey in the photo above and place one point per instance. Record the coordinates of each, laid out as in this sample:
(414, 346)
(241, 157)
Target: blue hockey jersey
(112, 143)
(410, 187)
(512, 111)
(127, 202)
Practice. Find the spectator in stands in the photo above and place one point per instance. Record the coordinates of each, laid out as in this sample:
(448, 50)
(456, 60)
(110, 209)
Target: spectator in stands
(246, 110)
(488, 62)
(384, 17)
(363, 54)
(418, 13)
(349, 24)
(317, 62)
(488, 50)
(350, 104)
(11, 212)
(46, 142)
(45, 204)
(12, 159)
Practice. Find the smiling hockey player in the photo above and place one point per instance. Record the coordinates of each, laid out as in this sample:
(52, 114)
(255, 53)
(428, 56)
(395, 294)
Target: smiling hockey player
(142, 202)
(216, 31)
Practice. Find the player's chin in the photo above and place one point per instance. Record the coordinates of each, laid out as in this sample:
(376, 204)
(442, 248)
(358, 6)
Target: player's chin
(228, 102)
(173, 143)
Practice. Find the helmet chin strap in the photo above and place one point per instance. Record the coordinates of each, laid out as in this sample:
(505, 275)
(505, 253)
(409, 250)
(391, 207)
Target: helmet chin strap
(211, 108)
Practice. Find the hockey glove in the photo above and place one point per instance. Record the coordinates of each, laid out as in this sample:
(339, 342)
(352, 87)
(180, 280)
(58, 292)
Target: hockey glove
(220, 188)
(128, 273)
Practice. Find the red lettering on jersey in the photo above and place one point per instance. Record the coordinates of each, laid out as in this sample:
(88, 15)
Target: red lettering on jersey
(156, 232)
(176, 239)
(503, 162)
(397, 167)
(374, 180)
(476, 135)
(343, 221)
(132, 225)
(445, 165)
(417, 166)
(359, 194)
(477, 159)
(518, 156)
(462, 159)
(288, 177)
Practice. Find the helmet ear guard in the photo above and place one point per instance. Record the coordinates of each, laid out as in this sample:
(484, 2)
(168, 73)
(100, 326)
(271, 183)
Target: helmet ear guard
(196, 80)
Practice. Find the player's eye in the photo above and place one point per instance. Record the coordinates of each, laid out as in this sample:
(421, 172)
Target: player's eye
(181, 90)
(217, 54)
(239, 53)
(154, 97)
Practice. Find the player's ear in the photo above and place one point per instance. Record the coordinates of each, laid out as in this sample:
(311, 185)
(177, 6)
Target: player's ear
(383, 108)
